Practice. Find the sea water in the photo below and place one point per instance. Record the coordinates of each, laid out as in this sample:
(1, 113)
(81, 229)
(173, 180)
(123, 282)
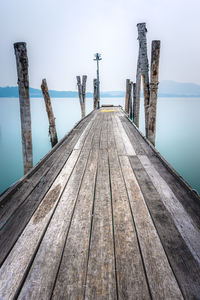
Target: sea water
(177, 137)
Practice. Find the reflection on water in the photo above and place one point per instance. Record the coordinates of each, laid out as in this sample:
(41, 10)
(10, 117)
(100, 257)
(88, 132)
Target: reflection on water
(178, 137)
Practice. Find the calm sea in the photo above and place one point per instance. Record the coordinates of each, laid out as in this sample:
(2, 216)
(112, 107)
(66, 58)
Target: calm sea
(178, 133)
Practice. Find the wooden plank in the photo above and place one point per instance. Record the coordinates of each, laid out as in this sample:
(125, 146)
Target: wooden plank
(35, 242)
(118, 139)
(181, 260)
(133, 139)
(72, 272)
(184, 223)
(16, 264)
(181, 189)
(130, 273)
(13, 228)
(161, 279)
(84, 134)
(10, 202)
(104, 133)
(38, 285)
(128, 146)
(101, 281)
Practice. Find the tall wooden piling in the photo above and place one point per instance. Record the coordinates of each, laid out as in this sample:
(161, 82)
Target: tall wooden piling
(127, 97)
(95, 94)
(49, 109)
(24, 100)
(142, 70)
(155, 55)
(131, 101)
(82, 93)
(134, 101)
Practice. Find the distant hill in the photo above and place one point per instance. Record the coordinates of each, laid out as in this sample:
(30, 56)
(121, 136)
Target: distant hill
(167, 88)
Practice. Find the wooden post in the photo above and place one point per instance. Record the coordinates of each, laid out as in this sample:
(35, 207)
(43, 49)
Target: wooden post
(131, 102)
(155, 55)
(142, 70)
(52, 124)
(134, 101)
(82, 92)
(24, 100)
(95, 95)
(127, 97)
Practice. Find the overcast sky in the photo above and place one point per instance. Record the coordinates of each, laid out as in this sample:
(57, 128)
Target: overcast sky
(63, 35)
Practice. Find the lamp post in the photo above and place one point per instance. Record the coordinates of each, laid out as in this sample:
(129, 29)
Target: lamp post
(98, 58)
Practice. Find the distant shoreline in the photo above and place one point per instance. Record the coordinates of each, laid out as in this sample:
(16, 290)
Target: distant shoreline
(167, 89)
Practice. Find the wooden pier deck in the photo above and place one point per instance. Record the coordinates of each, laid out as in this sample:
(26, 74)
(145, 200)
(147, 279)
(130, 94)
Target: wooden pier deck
(102, 216)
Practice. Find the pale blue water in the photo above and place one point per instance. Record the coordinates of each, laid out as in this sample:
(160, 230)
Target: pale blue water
(178, 133)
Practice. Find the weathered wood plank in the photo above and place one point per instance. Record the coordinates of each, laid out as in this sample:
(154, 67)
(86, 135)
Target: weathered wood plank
(184, 223)
(16, 223)
(182, 191)
(181, 260)
(101, 281)
(11, 201)
(72, 272)
(130, 273)
(104, 133)
(161, 279)
(16, 264)
(128, 146)
(38, 285)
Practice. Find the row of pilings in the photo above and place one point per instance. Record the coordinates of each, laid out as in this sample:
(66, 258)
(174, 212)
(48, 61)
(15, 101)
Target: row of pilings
(150, 87)
(24, 100)
(132, 100)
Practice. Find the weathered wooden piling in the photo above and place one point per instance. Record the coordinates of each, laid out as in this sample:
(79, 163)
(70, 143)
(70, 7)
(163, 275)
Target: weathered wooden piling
(95, 94)
(131, 101)
(24, 100)
(155, 55)
(49, 109)
(82, 92)
(127, 97)
(142, 70)
(134, 101)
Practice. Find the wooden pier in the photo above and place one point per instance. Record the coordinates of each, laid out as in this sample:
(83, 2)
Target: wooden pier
(102, 216)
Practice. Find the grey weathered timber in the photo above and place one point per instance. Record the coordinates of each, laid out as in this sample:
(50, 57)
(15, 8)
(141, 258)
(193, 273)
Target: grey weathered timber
(49, 109)
(95, 94)
(110, 219)
(70, 283)
(127, 97)
(155, 55)
(9, 202)
(161, 279)
(133, 101)
(24, 100)
(82, 92)
(142, 70)
(101, 282)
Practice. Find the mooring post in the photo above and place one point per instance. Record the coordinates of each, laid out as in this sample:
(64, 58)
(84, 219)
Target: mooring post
(130, 101)
(81, 96)
(134, 101)
(49, 109)
(127, 97)
(24, 100)
(155, 56)
(142, 70)
(84, 79)
(95, 94)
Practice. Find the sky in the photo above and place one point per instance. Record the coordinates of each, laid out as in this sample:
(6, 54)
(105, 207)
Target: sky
(63, 35)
